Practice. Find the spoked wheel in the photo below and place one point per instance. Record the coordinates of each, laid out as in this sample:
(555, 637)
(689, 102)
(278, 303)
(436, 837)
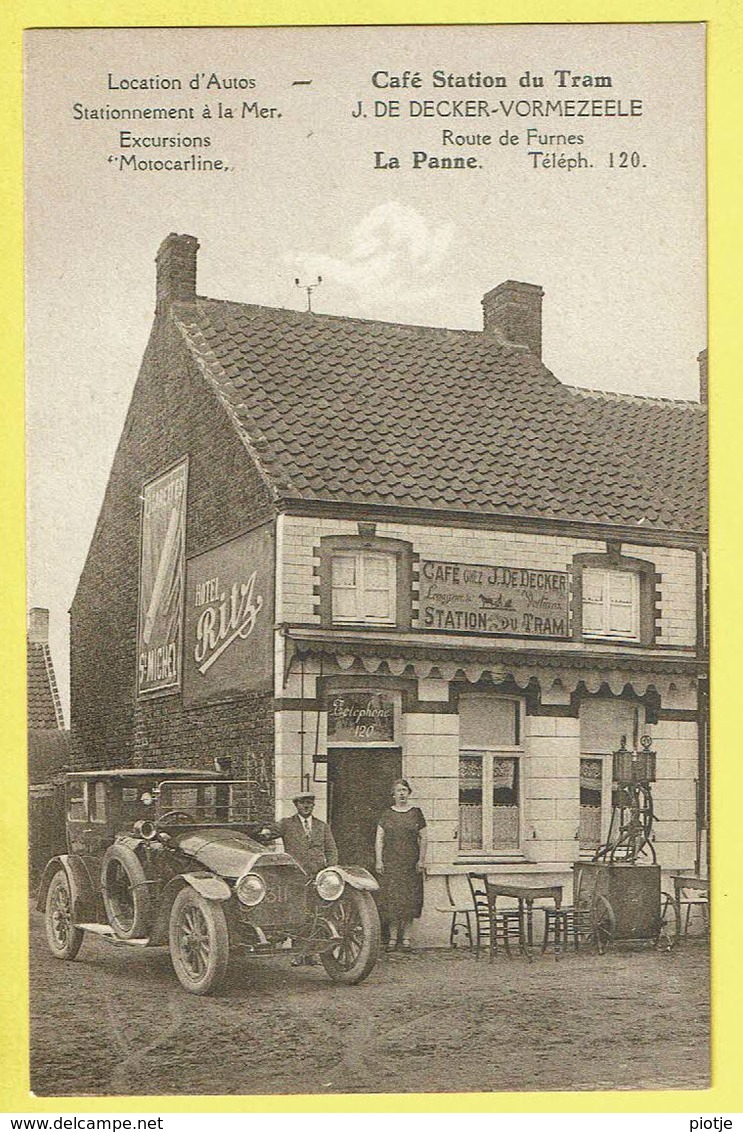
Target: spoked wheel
(199, 942)
(63, 937)
(669, 927)
(603, 922)
(353, 922)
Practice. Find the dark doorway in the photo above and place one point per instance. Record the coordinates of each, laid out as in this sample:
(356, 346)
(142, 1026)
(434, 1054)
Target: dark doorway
(360, 788)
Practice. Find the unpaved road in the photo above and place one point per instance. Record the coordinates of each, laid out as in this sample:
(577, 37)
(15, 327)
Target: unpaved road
(116, 1022)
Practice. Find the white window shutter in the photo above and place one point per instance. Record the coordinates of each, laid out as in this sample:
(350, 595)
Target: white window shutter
(594, 601)
(344, 578)
(379, 588)
(623, 604)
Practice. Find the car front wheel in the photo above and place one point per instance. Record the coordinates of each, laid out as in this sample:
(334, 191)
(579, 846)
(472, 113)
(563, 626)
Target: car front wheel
(63, 937)
(199, 942)
(354, 923)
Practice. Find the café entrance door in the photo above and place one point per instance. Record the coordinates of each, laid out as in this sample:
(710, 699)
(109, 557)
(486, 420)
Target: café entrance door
(359, 789)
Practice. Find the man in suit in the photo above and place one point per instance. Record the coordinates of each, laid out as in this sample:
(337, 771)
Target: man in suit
(310, 842)
(307, 839)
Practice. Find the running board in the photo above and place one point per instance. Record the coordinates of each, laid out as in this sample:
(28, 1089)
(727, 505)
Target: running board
(108, 933)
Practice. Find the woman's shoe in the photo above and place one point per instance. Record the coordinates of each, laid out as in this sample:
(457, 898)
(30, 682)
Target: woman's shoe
(406, 945)
(391, 945)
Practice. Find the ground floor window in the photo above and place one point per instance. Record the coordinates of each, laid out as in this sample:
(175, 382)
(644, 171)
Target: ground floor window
(489, 807)
(489, 773)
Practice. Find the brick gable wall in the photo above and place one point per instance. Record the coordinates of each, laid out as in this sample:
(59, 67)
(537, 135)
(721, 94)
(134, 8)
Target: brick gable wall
(173, 413)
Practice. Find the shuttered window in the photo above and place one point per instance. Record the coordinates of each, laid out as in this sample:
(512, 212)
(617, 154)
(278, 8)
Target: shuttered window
(364, 587)
(611, 604)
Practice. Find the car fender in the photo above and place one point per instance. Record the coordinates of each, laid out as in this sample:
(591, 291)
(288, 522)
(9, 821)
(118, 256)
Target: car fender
(206, 884)
(82, 889)
(357, 877)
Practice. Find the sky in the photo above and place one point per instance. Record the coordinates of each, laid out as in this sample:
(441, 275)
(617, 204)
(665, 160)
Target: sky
(618, 244)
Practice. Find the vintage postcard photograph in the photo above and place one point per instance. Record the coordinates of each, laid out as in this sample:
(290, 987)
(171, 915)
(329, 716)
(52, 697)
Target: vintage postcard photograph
(367, 560)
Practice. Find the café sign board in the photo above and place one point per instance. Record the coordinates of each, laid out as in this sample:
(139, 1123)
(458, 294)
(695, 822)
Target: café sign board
(161, 569)
(229, 618)
(361, 717)
(509, 601)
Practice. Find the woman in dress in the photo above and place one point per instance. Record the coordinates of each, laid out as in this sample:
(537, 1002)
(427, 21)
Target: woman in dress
(401, 855)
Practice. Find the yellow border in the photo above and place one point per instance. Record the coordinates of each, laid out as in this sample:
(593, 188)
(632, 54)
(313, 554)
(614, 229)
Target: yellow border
(725, 55)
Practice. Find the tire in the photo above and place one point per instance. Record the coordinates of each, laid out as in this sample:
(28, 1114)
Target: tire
(199, 942)
(354, 922)
(604, 923)
(126, 893)
(63, 937)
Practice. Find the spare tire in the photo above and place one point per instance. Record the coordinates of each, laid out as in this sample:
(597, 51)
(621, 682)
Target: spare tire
(126, 893)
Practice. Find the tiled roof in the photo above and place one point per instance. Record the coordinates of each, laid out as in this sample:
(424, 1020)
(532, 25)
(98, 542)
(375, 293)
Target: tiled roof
(372, 412)
(44, 708)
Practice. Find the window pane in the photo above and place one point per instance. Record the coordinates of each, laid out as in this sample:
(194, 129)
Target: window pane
(589, 831)
(97, 801)
(505, 803)
(470, 802)
(76, 803)
(485, 721)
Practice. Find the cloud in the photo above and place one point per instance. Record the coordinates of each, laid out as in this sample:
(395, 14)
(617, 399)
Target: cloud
(393, 254)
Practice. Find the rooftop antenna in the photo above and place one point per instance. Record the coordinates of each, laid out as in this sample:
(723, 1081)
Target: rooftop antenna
(309, 288)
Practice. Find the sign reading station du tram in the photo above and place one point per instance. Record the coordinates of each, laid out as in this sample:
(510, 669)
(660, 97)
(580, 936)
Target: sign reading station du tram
(162, 552)
(500, 600)
(229, 618)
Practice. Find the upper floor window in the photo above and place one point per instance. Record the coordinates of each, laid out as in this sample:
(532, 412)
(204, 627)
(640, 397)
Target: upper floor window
(611, 604)
(365, 580)
(615, 598)
(364, 587)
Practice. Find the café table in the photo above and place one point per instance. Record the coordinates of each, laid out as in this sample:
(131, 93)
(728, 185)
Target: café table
(524, 895)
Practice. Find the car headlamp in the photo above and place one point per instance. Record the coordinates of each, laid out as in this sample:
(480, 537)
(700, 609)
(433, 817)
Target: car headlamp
(329, 884)
(250, 889)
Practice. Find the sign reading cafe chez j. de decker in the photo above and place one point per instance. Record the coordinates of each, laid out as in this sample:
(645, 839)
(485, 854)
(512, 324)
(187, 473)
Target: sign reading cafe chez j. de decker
(506, 600)
(229, 618)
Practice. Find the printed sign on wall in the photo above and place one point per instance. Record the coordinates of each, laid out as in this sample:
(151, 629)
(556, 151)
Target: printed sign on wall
(361, 717)
(229, 618)
(503, 600)
(161, 561)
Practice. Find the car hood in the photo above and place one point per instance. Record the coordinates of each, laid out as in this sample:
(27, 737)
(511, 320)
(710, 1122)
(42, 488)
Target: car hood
(227, 852)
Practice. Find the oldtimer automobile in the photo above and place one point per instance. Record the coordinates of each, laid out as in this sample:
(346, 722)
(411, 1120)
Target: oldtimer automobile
(161, 858)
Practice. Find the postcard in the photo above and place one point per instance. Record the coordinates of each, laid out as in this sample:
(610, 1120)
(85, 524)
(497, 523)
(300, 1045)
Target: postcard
(367, 560)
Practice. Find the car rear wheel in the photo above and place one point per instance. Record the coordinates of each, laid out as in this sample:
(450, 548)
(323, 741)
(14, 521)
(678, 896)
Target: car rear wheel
(63, 937)
(199, 942)
(125, 893)
(354, 923)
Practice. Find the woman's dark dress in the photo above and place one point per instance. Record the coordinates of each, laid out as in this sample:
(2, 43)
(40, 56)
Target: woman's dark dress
(401, 885)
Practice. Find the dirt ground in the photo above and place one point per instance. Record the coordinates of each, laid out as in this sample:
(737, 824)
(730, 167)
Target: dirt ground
(116, 1022)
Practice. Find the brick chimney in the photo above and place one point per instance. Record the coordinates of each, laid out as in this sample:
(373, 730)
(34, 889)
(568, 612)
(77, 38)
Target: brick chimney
(176, 271)
(512, 311)
(38, 626)
(703, 362)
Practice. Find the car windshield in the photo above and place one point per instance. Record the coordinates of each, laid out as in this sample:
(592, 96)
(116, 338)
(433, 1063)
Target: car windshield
(206, 801)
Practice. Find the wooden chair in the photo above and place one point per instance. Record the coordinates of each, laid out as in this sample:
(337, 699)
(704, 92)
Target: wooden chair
(505, 925)
(461, 908)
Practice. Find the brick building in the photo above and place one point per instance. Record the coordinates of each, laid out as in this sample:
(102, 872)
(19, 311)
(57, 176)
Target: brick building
(332, 550)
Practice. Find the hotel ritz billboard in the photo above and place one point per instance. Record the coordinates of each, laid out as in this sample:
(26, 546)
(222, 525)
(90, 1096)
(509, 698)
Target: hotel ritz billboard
(161, 576)
(230, 618)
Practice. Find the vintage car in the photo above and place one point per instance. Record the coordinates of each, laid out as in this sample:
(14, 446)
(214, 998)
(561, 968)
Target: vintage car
(161, 858)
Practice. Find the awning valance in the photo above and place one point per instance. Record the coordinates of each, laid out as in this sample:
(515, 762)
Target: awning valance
(558, 672)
